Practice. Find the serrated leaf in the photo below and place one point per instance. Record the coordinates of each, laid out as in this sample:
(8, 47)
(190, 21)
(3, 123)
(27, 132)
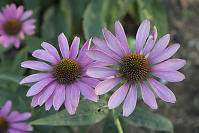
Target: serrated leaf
(143, 118)
(87, 113)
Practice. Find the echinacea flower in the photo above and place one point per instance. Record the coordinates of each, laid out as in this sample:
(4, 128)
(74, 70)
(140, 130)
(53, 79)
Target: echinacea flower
(65, 78)
(12, 123)
(135, 69)
(13, 25)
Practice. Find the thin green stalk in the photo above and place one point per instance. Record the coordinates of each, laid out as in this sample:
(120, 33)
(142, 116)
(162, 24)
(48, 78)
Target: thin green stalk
(117, 123)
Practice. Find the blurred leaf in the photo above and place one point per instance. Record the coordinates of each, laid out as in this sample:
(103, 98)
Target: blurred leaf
(154, 11)
(2, 49)
(12, 78)
(143, 118)
(5, 95)
(56, 20)
(33, 43)
(87, 113)
(109, 126)
(3, 3)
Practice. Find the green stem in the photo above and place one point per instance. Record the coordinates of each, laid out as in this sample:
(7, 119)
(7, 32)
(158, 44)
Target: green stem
(117, 123)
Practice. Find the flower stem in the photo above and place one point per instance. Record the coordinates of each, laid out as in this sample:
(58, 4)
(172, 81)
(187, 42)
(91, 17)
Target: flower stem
(117, 123)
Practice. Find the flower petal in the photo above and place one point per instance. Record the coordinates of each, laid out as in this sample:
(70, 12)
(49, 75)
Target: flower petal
(49, 102)
(162, 91)
(167, 53)
(142, 34)
(92, 82)
(26, 15)
(121, 36)
(36, 77)
(63, 45)
(14, 117)
(113, 43)
(19, 12)
(101, 72)
(36, 65)
(101, 56)
(36, 88)
(44, 55)
(75, 95)
(130, 101)
(160, 46)
(51, 49)
(68, 101)
(170, 76)
(59, 96)
(87, 91)
(74, 48)
(118, 96)
(169, 65)
(21, 126)
(106, 85)
(84, 48)
(6, 109)
(148, 96)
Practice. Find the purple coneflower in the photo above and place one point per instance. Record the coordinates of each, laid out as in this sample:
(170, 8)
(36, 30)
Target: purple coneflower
(12, 123)
(13, 25)
(65, 78)
(135, 69)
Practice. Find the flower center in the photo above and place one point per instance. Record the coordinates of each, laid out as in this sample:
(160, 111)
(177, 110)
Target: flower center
(12, 27)
(66, 71)
(3, 125)
(134, 67)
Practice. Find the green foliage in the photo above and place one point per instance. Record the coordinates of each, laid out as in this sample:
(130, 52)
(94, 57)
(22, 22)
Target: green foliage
(33, 43)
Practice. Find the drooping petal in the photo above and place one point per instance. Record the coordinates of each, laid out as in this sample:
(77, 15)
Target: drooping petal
(170, 76)
(121, 36)
(6, 109)
(51, 49)
(113, 43)
(68, 101)
(106, 85)
(87, 91)
(59, 96)
(90, 81)
(167, 53)
(36, 65)
(101, 72)
(159, 47)
(162, 91)
(74, 48)
(35, 99)
(63, 45)
(49, 102)
(118, 96)
(36, 88)
(101, 56)
(148, 96)
(75, 95)
(169, 65)
(130, 101)
(142, 34)
(14, 117)
(36, 77)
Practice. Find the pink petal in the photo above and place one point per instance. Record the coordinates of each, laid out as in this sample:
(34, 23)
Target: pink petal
(159, 47)
(51, 49)
(19, 12)
(150, 42)
(36, 88)
(75, 95)
(102, 46)
(49, 102)
(92, 82)
(162, 91)
(87, 91)
(142, 34)
(14, 117)
(121, 36)
(170, 76)
(63, 45)
(13, 130)
(6, 109)
(44, 55)
(94, 64)
(59, 96)
(82, 53)
(130, 101)
(118, 96)
(35, 99)
(169, 65)
(2, 18)
(74, 48)
(148, 96)
(68, 101)
(26, 15)
(36, 77)
(106, 85)
(101, 56)
(101, 72)
(36, 65)
(167, 53)
(21, 126)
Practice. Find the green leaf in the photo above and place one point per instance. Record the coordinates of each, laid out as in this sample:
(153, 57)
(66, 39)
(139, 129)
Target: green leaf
(109, 126)
(56, 20)
(87, 113)
(33, 43)
(5, 95)
(13, 78)
(143, 118)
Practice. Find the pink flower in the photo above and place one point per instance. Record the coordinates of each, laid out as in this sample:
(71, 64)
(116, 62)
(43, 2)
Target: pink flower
(135, 68)
(65, 78)
(13, 25)
(12, 123)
